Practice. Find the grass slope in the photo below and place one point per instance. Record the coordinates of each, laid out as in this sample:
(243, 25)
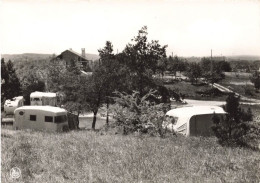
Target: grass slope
(85, 156)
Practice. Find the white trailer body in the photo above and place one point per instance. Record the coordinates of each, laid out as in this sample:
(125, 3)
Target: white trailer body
(193, 120)
(43, 98)
(42, 118)
(11, 104)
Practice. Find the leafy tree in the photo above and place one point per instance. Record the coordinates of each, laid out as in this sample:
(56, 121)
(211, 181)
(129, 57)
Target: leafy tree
(218, 67)
(176, 64)
(162, 66)
(255, 79)
(109, 70)
(31, 83)
(4, 81)
(194, 72)
(71, 85)
(142, 58)
(234, 129)
(93, 93)
(134, 112)
(56, 72)
(10, 83)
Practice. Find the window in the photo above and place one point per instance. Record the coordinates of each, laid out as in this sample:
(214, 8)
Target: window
(60, 119)
(48, 119)
(32, 117)
(36, 99)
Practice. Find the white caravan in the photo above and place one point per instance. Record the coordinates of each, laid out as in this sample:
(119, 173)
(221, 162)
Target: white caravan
(42, 118)
(193, 120)
(43, 98)
(11, 104)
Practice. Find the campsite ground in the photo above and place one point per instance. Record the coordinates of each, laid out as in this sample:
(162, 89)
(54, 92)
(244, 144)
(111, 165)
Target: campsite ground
(86, 156)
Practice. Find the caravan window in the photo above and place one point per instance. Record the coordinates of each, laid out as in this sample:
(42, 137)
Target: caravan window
(36, 99)
(48, 119)
(60, 119)
(32, 117)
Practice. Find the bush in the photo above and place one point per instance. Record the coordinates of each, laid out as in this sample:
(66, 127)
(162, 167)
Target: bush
(135, 113)
(237, 129)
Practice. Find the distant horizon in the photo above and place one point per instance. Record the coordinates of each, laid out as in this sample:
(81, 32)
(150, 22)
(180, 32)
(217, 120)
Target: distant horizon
(115, 53)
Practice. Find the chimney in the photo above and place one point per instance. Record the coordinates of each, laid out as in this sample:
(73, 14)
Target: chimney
(83, 54)
(70, 49)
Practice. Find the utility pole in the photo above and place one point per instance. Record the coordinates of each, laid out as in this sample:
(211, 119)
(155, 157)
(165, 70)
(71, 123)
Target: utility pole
(211, 68)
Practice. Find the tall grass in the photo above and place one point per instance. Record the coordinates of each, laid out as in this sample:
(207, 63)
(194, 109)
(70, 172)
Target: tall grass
(86, 156)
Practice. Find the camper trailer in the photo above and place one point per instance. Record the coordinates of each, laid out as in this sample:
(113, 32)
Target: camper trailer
(43, 98)
(11, 105)
(42, 118)
(193, 120)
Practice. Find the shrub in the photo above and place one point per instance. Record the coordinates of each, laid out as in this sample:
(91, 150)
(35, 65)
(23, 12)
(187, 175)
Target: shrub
(237, 129)
(135, 113)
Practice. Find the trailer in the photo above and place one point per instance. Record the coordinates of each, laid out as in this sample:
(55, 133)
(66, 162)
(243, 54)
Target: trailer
(43, 98)
(41, 118)
(193, 120)
(11, 104)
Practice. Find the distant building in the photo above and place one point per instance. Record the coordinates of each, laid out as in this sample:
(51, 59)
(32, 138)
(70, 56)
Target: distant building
(69, 56)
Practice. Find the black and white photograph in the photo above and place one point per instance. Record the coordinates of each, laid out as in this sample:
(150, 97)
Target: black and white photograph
(130, 91)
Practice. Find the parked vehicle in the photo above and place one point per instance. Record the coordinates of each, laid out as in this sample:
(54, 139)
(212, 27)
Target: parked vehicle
(192, 120)
(42, 118)
(43, 98)
(11, 104)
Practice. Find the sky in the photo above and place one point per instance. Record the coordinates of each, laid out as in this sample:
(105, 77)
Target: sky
(189, 28)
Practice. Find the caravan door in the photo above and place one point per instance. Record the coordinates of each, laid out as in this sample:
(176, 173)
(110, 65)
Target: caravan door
(19, 120)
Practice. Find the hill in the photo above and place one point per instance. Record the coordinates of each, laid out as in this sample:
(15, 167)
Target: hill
(38, 56)
(243, 57)
(26, 57)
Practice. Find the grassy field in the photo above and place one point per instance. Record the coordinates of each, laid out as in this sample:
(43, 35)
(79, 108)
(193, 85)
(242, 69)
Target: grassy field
(238, 82)
(190, 90)
(87, 156)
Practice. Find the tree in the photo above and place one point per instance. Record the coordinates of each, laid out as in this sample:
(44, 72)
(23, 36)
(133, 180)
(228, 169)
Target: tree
(255, 79)
(213, 73)
(71, 85)
(142, 58)
(31, 83)
(233, 130)
(136, 113)
(194, 72)
(10, 83)
(93, 93)
(162, 66)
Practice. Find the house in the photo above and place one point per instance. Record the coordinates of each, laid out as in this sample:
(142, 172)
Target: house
(70, 56)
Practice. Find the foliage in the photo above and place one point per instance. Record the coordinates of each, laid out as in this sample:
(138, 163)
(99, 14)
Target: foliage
(31, 83)
(10, 84)
(194, 72)
(136, 113)
(176, 64)
(142, 59)
(214, 73)
(255, 79)
(237, 127)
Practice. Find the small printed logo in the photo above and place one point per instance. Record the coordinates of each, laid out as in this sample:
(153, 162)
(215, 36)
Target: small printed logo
(15, 173)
